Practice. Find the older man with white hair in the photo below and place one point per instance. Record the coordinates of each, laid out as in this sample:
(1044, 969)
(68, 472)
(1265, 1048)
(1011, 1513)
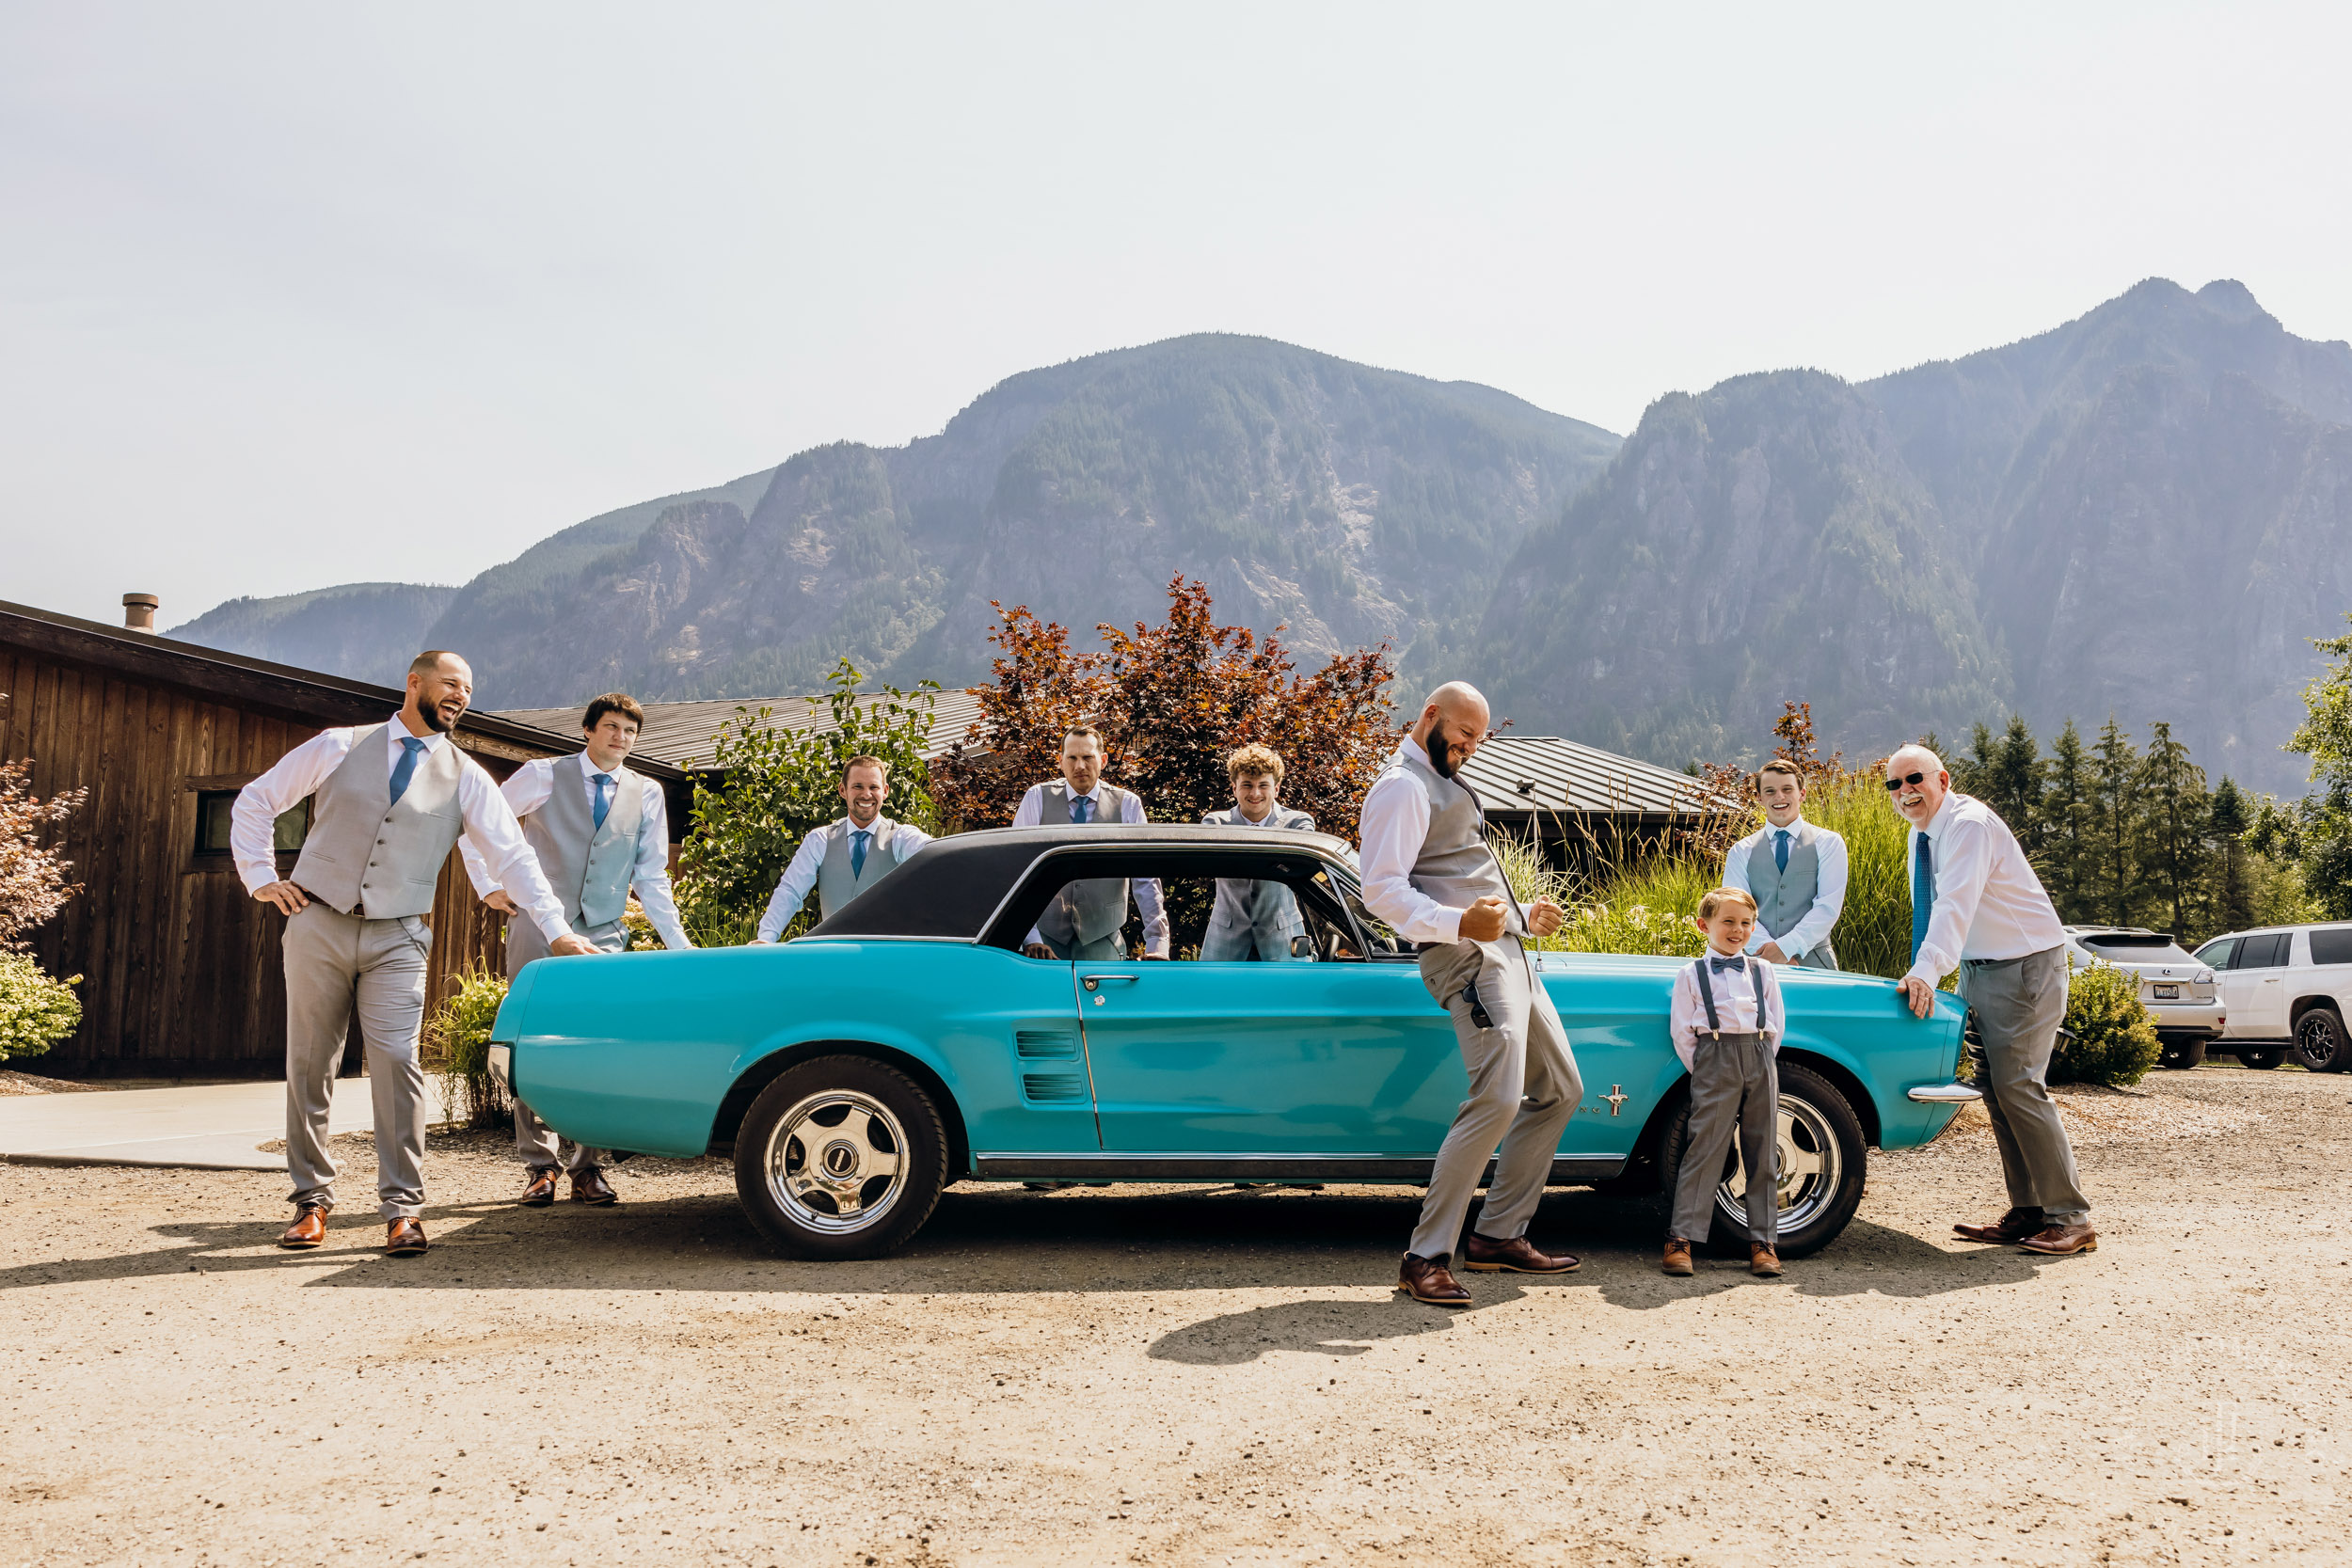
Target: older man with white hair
(1977, 906)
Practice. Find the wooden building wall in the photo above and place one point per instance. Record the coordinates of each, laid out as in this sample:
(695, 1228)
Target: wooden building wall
(180, 964)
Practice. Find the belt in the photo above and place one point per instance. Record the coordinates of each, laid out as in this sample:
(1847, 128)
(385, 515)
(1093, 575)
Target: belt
(1507, 936)
(2002, 963)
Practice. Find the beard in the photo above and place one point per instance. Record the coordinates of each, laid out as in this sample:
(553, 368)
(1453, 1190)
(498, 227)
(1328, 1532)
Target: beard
(431, 714)
(1441, 755)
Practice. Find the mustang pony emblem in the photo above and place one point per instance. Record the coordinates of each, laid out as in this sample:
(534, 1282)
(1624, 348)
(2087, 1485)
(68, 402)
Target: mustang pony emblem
(1616, 1098)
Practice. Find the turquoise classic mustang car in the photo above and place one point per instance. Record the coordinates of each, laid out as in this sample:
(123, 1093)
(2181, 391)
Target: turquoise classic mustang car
(907, 1043)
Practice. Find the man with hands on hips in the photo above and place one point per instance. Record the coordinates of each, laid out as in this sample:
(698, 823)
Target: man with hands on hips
(1977, 906)
(388, 802)
(1427, 872)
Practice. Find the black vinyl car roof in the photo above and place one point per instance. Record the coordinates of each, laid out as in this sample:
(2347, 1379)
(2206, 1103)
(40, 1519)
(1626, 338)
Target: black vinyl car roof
(952, 886)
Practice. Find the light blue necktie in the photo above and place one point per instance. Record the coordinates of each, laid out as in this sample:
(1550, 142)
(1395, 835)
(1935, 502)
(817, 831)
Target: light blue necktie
(603, 782)
(857, 852)
(1081, 809)
(1780, 849)
(406, 769)
(1922, 894)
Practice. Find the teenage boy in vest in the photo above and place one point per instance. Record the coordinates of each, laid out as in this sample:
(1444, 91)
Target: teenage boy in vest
(387, 804)
(599, 830)
(846, 856)
(1427, 872)
(1726, 1020)
(1084, 918)
(1795, 872)
(1254, 919)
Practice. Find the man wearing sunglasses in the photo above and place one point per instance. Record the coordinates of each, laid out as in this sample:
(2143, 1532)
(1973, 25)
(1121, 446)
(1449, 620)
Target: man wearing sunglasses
(1977, 906)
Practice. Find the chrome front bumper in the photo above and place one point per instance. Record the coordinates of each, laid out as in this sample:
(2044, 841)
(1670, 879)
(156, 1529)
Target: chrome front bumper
(1943, 1094)
(502, 1067)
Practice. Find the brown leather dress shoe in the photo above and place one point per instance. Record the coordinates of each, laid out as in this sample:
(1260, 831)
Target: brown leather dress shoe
(2015, 1225)
(589, 1186)
(2062, 1240)
(403, 1238)
(541, 1191)
(1483, 1254)
(1677, 1258)
(1428, 1279)
(309, 1228)
(1763, 1261)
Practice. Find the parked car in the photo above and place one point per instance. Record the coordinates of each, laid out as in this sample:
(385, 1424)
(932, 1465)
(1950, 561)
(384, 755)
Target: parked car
(2286, 990)
(907, 1043)
(2182, 991)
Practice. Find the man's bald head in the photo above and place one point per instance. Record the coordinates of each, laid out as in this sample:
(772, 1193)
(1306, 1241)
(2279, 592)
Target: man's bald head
(1453, 725)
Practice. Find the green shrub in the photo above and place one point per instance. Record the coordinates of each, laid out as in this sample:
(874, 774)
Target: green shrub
(2113, 1036)
(35, 1011)
(1638, 908)
(458, 1043)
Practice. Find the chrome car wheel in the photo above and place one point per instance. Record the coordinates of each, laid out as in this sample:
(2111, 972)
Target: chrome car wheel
(836, 1162)
(1812, 1169)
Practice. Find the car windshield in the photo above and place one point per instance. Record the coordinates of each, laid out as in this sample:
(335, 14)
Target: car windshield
(2136, 947)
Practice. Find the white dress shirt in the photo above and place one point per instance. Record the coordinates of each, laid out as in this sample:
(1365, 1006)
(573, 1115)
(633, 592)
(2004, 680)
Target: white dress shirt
(800, 875)
(1988, 904)
(527, 789)
(490, 828)
(1395, 824)
(1031, 814)
(1734, 1007)
(1828, 902)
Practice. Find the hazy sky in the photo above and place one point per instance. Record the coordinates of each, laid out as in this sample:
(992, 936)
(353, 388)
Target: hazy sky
(295, 294)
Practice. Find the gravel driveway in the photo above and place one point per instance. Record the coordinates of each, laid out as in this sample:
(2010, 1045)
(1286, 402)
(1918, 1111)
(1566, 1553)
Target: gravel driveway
(1177, 1376)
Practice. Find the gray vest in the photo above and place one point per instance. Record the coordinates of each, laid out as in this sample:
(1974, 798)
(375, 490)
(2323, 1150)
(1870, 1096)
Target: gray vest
(884, 853)
(1249, 915)
(369, 857)
(1456, 868)
(1088, 911)
(1783, 897)
(588, 866)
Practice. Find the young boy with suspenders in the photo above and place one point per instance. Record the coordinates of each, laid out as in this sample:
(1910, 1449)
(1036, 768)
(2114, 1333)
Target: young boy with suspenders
(1728, 1039)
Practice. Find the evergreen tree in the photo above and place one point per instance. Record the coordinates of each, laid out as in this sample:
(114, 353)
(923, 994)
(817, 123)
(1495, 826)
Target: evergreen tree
(2113, 872)
(2228, 896)
(2172, 829)
(2013, 782)
(2063, 830)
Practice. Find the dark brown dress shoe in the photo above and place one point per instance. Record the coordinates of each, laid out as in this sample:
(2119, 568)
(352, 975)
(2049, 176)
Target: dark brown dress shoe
(2062, 1240)
(309, 1226)
(1428, 1279)
(589, 1186)
(541, 1192)
(2015, 1225)
(403, 1238)
(1677, 1258)
(1483, 1254)
(1763, 1261)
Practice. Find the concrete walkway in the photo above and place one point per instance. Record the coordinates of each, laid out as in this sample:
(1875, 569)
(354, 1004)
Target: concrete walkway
(210, 1127)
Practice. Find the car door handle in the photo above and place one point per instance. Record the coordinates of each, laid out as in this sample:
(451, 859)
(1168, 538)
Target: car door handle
(1096, 982)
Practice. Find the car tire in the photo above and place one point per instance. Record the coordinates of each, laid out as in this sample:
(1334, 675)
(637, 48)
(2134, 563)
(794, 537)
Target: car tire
(2181, 1055)
(841, 1157)
(2320, 1044)
(2261, 1058)
(1817, 1129)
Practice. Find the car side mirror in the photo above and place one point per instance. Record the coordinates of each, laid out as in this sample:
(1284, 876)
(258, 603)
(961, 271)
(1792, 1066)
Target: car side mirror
(1302, 946)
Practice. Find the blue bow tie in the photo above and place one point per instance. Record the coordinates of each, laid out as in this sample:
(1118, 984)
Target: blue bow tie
(1737, 966)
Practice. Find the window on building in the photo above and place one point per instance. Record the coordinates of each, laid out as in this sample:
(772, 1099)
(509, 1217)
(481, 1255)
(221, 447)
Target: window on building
(213, 807)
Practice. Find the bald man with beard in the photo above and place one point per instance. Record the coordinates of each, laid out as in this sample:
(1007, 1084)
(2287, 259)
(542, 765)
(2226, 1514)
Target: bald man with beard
(1427, 872)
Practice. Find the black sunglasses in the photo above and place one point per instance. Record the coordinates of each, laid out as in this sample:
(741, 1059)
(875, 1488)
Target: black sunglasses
(1894, 785)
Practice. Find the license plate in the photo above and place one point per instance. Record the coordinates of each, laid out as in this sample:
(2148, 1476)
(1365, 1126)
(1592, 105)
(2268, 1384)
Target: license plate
(2167, 993)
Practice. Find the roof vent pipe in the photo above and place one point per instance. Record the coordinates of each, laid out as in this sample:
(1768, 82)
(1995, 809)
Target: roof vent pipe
(138, 612)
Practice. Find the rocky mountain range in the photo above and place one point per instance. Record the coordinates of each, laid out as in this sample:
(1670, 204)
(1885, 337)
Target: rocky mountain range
(2145, 511)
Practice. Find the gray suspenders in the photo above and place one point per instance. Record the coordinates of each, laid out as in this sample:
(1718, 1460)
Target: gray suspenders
(1706, 996)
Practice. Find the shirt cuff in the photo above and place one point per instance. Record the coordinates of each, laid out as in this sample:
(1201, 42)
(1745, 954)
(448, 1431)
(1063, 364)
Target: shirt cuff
(255, 880)
(1928, 968)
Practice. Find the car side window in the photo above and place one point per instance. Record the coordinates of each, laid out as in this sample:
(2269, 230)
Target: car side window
(2263, 952)
(2215, 955)
(2332, 946)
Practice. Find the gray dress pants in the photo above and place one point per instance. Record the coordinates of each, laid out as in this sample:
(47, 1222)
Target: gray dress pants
(1735, 1084)
(2019, 1004)
(1523, 1089)
(534, 1140)
(335, 962)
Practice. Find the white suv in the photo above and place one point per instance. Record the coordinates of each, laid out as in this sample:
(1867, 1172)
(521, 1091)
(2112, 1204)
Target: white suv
(2179, 992)
(2285, 991)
